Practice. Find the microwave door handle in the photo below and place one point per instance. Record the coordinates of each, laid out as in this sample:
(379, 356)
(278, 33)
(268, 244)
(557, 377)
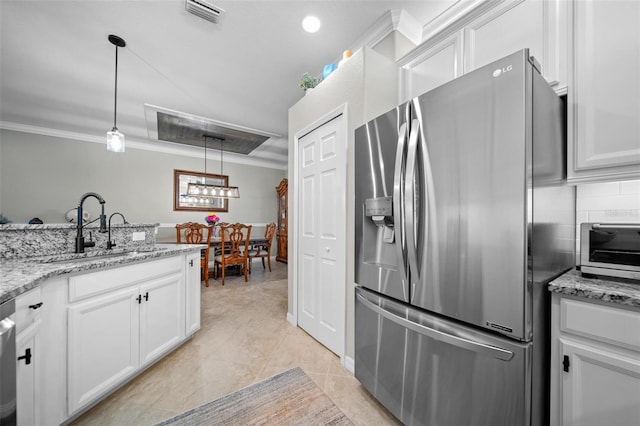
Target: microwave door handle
(461, 342)
(398, 205)
(614, 226)
(409, 200)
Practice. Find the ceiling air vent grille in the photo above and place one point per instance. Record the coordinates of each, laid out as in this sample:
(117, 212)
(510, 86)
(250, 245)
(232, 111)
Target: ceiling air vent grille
(205, 10)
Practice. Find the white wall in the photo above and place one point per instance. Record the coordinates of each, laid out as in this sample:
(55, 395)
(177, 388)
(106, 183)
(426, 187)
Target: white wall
(615, 202)
(43, 176)
(367, 84)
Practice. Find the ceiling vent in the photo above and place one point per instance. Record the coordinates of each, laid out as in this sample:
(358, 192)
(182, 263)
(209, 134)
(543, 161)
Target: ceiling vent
(205, 10)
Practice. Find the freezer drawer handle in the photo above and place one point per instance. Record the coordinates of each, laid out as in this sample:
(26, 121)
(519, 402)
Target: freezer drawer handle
(461, 342)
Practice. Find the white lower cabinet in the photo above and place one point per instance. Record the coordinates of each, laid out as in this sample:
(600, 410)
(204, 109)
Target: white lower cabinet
(192, 293)
(29, 356)
(98, 330)
(595, 365)
(113, 334)
(103, 345)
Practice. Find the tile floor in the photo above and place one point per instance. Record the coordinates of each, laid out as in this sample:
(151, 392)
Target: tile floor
(244, 338)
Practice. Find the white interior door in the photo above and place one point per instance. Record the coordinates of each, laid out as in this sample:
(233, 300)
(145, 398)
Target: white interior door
(322, 240)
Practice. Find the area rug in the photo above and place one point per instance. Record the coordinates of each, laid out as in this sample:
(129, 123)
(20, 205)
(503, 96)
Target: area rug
(289, 398)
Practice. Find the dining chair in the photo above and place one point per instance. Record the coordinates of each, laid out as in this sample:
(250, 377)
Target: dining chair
(197, 233)
(234, 241)
(263, 250)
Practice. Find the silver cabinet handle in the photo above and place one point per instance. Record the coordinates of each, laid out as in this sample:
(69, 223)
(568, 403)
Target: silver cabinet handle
(461, 342)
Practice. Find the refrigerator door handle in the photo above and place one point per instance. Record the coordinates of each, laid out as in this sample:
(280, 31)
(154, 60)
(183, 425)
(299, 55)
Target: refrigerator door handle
(409, 200)
(461, 342)
(398, 205)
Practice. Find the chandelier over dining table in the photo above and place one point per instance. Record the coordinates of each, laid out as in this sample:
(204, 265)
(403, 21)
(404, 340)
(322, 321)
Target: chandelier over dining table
(205, 190)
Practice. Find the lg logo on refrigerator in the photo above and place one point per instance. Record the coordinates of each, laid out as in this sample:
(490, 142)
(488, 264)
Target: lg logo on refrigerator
(500, 71)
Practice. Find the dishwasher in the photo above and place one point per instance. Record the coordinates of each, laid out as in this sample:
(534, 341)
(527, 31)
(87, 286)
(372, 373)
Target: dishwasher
(7, 364)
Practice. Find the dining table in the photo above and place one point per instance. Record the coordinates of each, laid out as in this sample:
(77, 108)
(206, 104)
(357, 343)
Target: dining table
(216, 242)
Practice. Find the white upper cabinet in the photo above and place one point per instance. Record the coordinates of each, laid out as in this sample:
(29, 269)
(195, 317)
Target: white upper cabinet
(514, 25)
(431, 65)
(604, 100)
(485, 33)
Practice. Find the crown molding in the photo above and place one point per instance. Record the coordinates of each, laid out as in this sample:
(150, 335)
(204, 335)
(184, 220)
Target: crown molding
(455, 13)
(393, 20)
(277, 162)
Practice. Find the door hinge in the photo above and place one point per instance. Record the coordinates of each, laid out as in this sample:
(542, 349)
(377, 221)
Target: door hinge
(566, 363)
(26, 356)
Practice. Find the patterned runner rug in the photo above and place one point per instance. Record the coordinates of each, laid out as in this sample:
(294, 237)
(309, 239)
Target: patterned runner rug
(289, 398)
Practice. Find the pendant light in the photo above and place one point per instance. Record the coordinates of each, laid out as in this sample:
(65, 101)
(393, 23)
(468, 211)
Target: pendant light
(205, 190)
(115, 139)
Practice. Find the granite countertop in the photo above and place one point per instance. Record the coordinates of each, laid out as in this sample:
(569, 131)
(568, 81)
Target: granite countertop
(574, 284)
(21, 275)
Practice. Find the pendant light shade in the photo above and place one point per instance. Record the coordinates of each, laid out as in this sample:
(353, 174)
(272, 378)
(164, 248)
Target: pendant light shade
(115, 139)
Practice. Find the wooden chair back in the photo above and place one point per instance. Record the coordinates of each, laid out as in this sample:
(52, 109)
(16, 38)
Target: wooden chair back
(234, 239)
(264, 249)
(196, 233)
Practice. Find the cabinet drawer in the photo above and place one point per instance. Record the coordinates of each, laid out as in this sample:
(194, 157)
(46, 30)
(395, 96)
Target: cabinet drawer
(603, 323)
(87, 285)
(28, 308)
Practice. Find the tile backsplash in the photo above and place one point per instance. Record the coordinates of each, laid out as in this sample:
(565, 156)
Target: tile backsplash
(615, 202)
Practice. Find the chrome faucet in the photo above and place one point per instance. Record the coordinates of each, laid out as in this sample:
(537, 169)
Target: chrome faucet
(80, 243)
(112, 244)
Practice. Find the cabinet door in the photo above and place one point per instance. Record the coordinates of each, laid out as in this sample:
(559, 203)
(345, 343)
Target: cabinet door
(604, 103)
(514, 25)
(103, 345)
(602, 386)
(192, 292)
(162, 319)
(27, 373)
(431, 66)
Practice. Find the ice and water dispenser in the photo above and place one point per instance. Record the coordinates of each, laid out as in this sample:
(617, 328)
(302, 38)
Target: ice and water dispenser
(378, 232)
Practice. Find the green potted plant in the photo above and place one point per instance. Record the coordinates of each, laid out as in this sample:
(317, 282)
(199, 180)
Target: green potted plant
(307, 81)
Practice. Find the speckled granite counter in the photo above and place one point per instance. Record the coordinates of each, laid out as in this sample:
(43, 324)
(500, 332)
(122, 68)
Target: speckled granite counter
(574, 284)
(21, 275)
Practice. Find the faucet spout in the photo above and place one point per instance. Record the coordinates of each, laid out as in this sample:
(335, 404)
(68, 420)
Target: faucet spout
(80, 243)
(112, 244)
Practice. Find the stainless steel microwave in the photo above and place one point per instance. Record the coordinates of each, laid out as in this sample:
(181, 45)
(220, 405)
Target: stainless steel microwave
(610, 249)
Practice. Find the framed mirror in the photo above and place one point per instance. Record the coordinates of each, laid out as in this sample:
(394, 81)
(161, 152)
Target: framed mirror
(192, 191)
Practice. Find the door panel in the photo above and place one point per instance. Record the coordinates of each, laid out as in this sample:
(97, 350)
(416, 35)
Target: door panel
(161, 316)
(430, 371)
(472, 190)
(322, 259)
(379, 239)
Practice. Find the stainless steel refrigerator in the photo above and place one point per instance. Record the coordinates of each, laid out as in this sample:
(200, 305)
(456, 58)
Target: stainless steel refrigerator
(463, 216)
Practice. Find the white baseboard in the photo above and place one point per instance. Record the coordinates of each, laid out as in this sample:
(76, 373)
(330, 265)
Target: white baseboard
(349, 364)
(292, 320)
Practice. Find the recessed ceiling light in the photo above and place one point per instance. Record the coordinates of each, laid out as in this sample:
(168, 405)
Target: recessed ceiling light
(311, 24)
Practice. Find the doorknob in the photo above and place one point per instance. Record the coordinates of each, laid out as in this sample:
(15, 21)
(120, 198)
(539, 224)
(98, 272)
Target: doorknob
(327, 249)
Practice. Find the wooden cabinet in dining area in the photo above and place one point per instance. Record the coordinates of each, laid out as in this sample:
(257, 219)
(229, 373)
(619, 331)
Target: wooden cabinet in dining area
(281, 232)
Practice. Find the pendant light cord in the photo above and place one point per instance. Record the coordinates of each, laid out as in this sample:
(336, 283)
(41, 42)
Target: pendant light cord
(115, 98)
